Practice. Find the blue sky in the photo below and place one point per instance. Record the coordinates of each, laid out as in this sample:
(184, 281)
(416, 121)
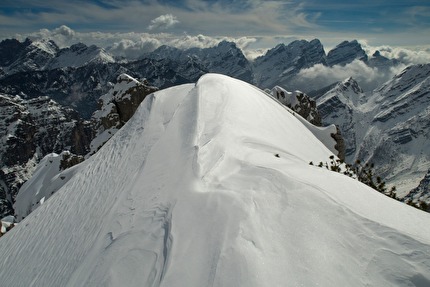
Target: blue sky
(263, 23)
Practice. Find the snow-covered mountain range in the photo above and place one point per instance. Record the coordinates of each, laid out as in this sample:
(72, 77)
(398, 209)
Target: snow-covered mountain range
(205, 185)
(388, 127)
(77, 76)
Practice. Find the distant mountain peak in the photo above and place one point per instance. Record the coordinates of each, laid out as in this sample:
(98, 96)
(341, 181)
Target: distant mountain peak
(345, 53)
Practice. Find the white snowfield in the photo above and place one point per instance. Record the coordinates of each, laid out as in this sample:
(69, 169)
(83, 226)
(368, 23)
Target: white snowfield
(210, 185)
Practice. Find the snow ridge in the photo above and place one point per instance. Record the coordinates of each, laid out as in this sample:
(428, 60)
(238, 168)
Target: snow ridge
(205, 186)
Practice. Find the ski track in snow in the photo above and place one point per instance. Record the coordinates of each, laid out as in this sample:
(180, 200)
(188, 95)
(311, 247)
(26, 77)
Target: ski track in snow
(190, 193)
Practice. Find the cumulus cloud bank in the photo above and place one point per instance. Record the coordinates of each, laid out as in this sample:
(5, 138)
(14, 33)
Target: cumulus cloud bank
(408, 56)
(367, 77)
(133, 45)
(163, 22)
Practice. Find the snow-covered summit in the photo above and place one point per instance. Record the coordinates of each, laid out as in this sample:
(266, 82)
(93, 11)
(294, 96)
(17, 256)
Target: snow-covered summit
(210, 184)
(79, 55)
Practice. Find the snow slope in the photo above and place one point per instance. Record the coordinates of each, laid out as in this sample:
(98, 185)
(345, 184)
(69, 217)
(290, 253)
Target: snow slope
(209, 185)
(46, 180)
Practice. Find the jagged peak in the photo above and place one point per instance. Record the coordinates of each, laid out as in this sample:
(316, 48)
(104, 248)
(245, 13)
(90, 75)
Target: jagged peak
(78, 46)
(225, 43)
(48, 46)
(345, 53)
(377, 53)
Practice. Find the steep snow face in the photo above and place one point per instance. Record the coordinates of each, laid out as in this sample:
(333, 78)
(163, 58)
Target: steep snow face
(210, 184)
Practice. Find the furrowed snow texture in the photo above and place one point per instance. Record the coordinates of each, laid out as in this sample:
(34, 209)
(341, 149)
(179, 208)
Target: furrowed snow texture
(209, 185)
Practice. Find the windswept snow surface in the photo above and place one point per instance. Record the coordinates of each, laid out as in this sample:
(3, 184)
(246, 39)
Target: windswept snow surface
(210, 185)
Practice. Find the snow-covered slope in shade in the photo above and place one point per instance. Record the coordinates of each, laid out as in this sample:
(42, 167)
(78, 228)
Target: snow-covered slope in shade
(79, 55)
(281, 63)
(341, 106)
(209, 185)
(33, 56)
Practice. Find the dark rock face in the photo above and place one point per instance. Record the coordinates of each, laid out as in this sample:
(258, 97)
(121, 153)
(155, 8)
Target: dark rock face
(281, 63)
(300, 103)
(30, 129)
(345, 53)
(421, 192)
(225, 58)
(117, 107)
(340, 144)
(68, 160)
(338, 106)
(10, 49)
(381, 62)
(128, 100)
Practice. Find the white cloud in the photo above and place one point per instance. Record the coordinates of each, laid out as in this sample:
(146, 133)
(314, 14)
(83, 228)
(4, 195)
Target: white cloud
(134, 49)
(163, 22)
(368, 78)
(406, 55)
(64, 31)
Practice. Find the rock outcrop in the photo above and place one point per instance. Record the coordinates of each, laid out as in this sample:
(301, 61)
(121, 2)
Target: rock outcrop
(298, 102)
(30, 129)
(117, 107)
